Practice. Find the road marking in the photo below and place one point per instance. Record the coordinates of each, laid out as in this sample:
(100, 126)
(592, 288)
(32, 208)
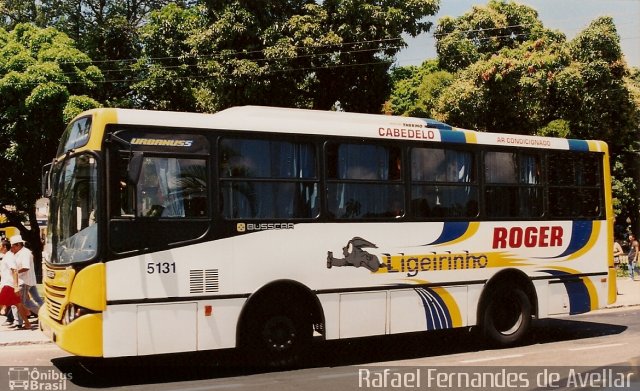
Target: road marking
(491, 358)
(213, 387)
(337, 375)
(598, 346)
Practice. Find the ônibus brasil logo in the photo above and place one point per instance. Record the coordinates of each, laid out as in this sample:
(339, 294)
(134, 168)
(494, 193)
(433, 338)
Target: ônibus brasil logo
(37, 379)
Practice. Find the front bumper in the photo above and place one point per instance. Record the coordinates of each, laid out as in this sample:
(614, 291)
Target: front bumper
(82, 337)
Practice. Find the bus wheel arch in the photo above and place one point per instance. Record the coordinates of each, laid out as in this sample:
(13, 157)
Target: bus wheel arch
(506, 308)
(276, 324)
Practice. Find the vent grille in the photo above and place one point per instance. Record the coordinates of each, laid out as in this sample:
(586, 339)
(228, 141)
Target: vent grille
(203, 281)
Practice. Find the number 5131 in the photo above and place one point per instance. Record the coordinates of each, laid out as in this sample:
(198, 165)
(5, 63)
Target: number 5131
(161, 267)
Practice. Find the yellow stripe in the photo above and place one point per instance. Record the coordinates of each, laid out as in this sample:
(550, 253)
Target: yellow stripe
(608, 202)
(594, 146)
(452, 306)
(593, 292)
(595, 233)
(447, 298)
(100, 119)
(471, 230)
(470, 137)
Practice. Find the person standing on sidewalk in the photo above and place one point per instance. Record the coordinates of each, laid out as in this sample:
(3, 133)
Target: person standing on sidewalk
(9, 288)
(5, 247)
(634, 254)
(26, 274)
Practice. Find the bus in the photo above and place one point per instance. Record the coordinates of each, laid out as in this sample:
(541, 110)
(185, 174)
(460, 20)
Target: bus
(6, 232)
(266, 229)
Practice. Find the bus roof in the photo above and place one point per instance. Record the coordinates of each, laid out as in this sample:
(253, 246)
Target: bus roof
(316, 122)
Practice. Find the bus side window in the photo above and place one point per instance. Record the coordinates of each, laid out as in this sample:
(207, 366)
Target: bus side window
(575, 185)
(268, 179)
(364, 181)
(443, 183)
(168, 187)
(513, 184)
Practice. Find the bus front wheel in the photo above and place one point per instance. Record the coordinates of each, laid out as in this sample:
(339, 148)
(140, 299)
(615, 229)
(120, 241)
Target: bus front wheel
(507, 316)
(278, 338)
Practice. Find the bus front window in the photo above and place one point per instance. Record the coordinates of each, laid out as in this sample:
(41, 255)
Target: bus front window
(73, 232)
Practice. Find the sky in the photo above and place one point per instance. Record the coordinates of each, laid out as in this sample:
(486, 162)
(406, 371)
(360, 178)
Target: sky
(568, 16)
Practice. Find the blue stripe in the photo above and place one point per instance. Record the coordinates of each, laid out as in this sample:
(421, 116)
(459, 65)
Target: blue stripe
(580, 234)
(438, 125)
(578, 145)
(452, 230)
(453, 136)
(579, 300)
(435, 310)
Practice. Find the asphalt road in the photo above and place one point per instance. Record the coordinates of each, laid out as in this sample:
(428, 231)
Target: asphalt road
(559, 350)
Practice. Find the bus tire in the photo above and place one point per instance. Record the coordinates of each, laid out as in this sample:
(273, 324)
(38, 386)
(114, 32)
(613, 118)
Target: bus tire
(506, 318)
(278, 338)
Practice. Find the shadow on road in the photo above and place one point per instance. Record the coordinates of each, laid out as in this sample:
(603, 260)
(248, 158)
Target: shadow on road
(102, 373)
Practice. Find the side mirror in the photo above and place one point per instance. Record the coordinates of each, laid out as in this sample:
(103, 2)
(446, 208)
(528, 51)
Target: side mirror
(135, 168)
(45, 178)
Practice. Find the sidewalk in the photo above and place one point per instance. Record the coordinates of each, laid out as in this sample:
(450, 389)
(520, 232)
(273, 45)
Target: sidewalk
(629, 295)
(10, 336)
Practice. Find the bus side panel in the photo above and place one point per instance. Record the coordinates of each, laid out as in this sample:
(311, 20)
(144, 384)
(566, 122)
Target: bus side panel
(166, 328)
(217, 322)
(119, 331)
(331, 307)
(363, 314)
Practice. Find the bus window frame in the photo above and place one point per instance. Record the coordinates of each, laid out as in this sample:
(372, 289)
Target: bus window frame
(101, 199)
(114, 153)
(402, 181)
(318, 179)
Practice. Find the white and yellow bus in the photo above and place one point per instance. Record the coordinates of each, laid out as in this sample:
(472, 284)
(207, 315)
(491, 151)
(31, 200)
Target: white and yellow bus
(264, 228)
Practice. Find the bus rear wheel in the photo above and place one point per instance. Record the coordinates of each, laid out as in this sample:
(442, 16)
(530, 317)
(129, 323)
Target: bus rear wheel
(507, 316)
(278, 338)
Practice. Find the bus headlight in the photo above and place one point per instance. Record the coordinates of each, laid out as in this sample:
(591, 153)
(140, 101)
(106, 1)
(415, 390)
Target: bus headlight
(73, 312)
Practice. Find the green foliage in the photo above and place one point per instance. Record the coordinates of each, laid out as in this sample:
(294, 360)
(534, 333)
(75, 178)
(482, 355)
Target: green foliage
(485, 30)
(42, 76)
(167, 73)
(282, 53)
(417, 89)
(556, 128)
(76, 105)
(513, 75)
(523, 88)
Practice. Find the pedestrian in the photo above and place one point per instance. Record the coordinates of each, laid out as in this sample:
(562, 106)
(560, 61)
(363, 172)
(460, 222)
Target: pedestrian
(9, 288)
(4, 250)
(617, 255)
(634, 255)
(26, 274)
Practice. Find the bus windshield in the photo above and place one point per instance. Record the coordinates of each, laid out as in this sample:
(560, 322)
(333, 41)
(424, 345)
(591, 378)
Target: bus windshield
(73, 232)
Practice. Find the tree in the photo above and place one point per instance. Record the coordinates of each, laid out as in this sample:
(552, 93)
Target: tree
(352, 47)
(541, 84)
(302, 53)
(485, 30)
(167, 73)
(108, 32)
(417, 89)
(525, 88)
(44, 82)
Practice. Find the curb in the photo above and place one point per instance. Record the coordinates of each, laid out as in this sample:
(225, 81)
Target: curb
(25, 343)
